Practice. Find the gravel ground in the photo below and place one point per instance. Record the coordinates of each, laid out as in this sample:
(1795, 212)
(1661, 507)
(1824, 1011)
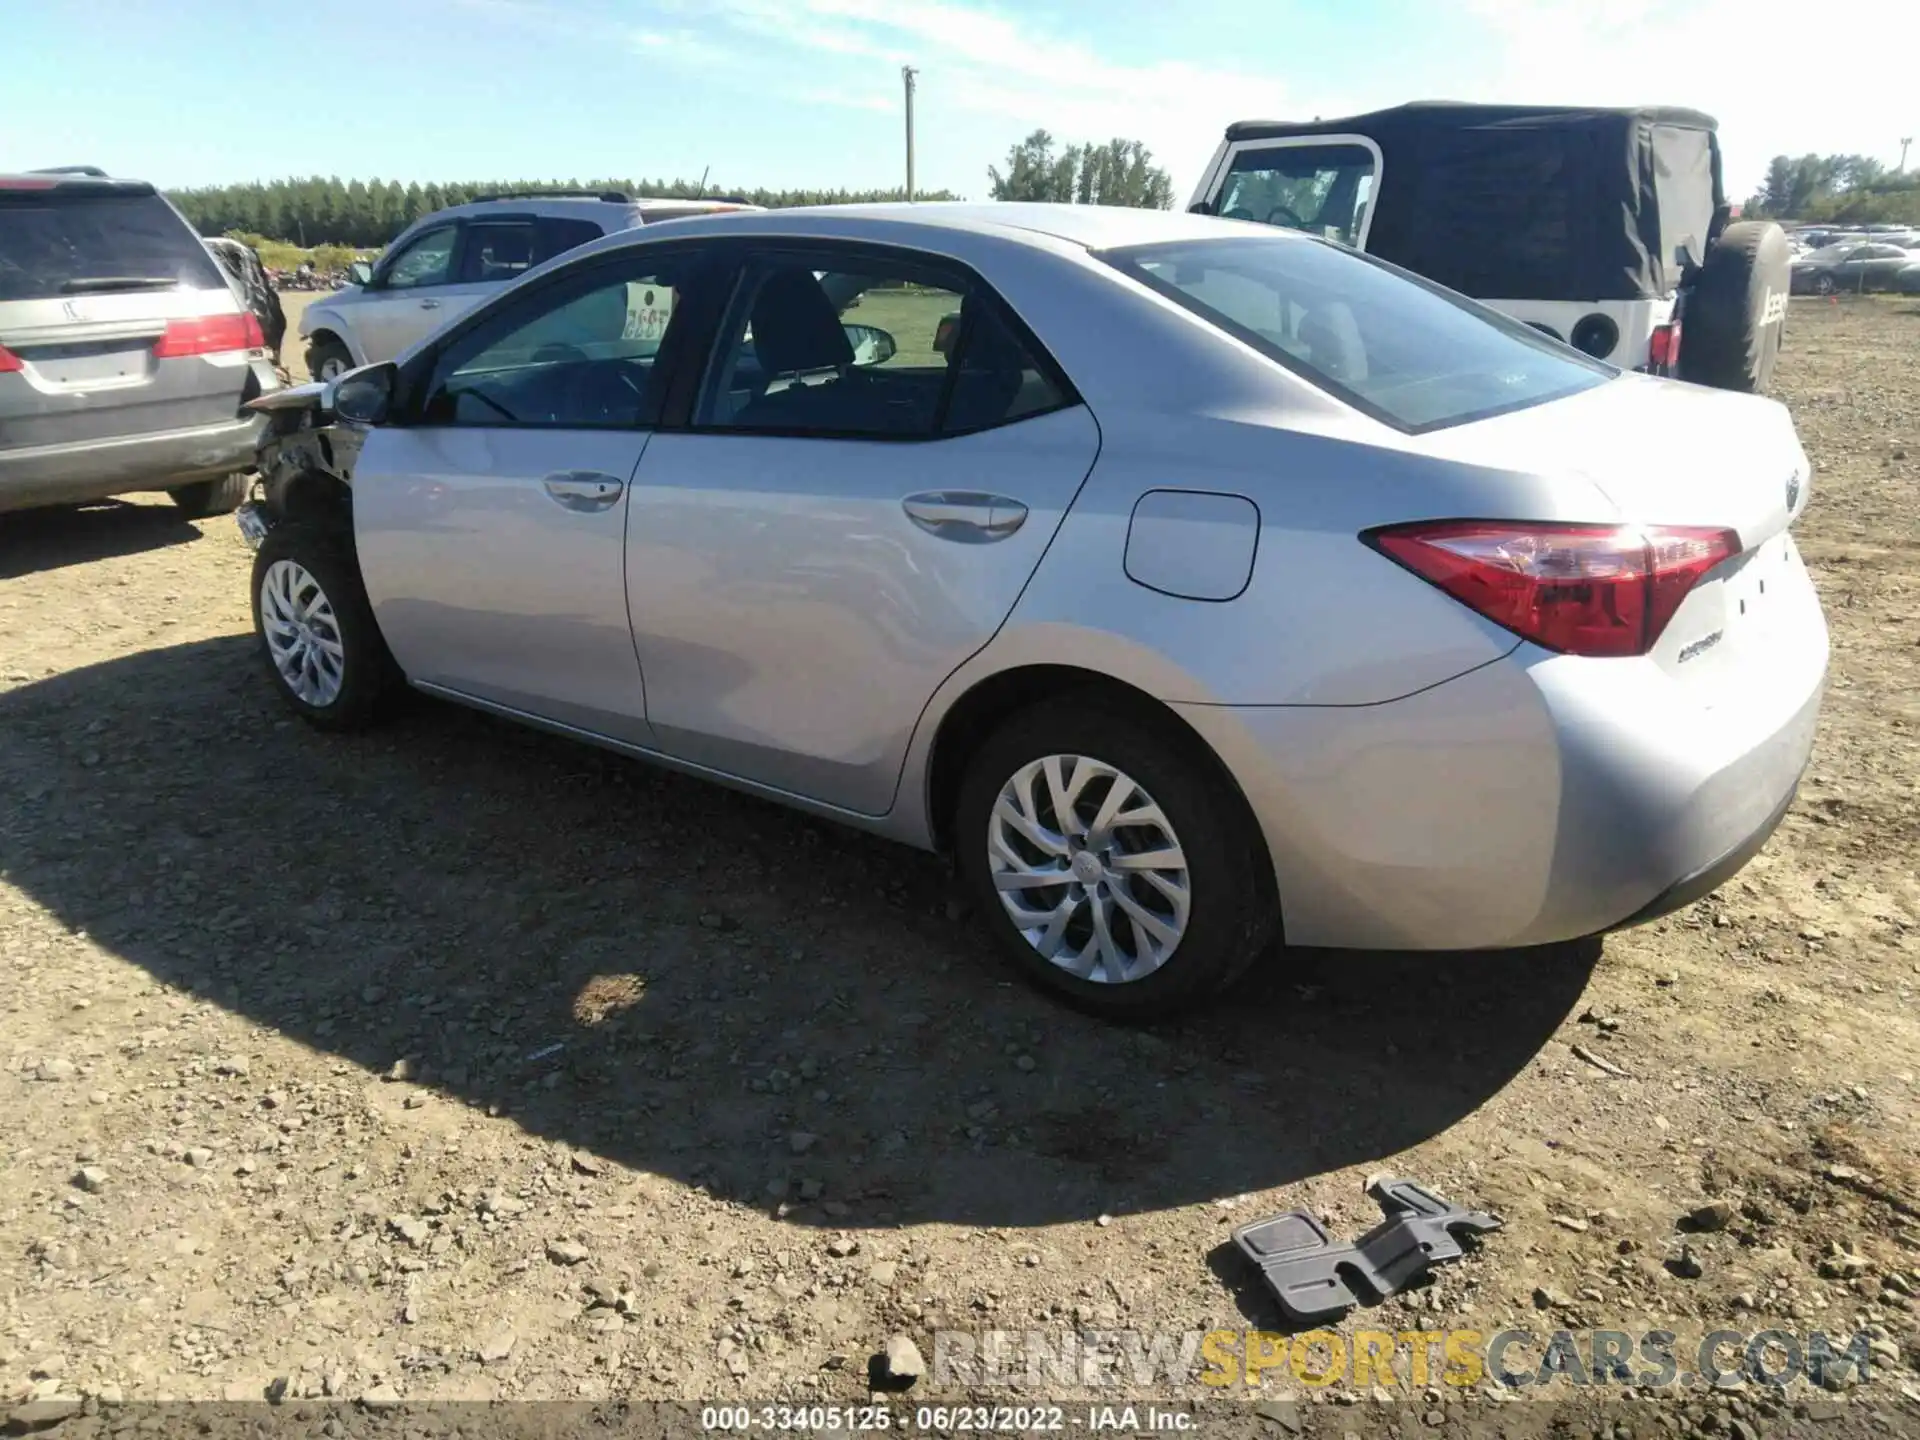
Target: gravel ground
(458, 1061)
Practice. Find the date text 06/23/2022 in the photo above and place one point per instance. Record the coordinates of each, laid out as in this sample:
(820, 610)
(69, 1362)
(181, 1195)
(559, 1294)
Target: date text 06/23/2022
(946, 1419)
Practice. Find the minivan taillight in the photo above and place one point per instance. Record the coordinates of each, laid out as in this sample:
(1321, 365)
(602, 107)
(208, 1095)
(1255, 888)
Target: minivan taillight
(209, 335)
(1598, 590)
(1663, 347)
(10, 362)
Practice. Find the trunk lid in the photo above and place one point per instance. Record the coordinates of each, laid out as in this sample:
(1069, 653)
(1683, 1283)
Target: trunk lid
(92, 270)
(88, 368)
(1663, 451)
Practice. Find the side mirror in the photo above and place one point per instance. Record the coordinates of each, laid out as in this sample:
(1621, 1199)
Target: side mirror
(364, 396)
(1200, 207)
(360, 272)
(871, 345)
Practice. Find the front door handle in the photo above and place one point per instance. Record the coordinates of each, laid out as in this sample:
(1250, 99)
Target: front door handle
(968, 516)
(583, 490)
(429, 304)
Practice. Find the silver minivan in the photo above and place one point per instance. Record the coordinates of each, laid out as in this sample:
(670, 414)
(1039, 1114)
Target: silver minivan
(126, 358)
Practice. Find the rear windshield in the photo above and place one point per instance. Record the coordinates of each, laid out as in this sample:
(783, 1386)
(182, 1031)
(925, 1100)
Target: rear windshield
(53, 245)
(1388, 343)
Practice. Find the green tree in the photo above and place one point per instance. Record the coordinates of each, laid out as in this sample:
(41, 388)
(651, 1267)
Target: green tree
(1844, 189)
(1120, 172)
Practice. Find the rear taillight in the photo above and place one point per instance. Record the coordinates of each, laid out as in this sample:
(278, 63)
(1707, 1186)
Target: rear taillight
(209, 335)
(1663, 346)
(1579, 589)
(9, 361)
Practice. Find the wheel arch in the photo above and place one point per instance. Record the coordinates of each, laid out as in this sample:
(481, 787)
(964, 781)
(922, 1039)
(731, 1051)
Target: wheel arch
(328, 330)
(312, 496)
(991, 700)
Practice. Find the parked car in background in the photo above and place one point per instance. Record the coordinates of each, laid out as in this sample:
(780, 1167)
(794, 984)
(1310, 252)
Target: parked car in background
(1906, 279)
(445, 263)
(126, 357)
(242, 264)
(1203, 581)
(1607, 229)
(1850, 268)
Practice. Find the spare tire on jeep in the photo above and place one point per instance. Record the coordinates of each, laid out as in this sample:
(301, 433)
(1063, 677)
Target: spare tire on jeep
(1736, 309)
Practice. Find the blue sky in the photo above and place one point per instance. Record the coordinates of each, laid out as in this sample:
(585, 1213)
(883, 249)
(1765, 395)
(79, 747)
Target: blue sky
(790, 93)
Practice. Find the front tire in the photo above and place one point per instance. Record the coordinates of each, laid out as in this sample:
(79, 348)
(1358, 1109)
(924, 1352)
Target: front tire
(1116, 867)
(328, 359)
(318, 637)
(1824, 285)
(207, 498)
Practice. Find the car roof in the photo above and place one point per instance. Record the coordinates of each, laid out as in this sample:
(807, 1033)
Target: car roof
(72, 182)
(1448, 115)
(1096, 227)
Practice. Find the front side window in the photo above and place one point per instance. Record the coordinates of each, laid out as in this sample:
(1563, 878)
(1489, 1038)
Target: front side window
(426, 261)
(1324, 189)
(1400, 349)
(581, 353)
(885, 350)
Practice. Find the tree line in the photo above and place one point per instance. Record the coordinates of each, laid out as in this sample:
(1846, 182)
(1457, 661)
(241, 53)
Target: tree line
(316, 211)
(1843, 189)
(325, 211)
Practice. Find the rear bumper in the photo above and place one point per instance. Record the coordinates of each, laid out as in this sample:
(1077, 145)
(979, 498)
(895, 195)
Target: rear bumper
(90, 470)
(1710, 877)
(1537, 799)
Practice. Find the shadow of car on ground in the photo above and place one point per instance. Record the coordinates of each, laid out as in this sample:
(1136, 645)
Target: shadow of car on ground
(33, 541)
(692, 982)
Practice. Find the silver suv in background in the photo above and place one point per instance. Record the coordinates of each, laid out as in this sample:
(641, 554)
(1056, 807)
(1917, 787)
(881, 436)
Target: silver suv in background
(445, 263)
(125, 356)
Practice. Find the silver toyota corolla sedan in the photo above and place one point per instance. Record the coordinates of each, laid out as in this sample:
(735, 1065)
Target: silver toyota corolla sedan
(1190, 582)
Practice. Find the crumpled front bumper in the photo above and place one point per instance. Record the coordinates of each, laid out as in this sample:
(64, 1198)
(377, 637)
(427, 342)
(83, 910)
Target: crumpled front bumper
(254, 520)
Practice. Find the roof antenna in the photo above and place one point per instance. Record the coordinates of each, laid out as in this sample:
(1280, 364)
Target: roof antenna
(703, 183)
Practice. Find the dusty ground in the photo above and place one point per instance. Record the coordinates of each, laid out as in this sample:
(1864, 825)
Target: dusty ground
(375, 1066)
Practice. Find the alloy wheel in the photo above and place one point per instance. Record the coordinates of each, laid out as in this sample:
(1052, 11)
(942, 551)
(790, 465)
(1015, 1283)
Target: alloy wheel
(302, 633)
(1089, 869)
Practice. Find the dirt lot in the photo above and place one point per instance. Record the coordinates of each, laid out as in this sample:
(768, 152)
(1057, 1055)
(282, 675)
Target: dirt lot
(458, 1061)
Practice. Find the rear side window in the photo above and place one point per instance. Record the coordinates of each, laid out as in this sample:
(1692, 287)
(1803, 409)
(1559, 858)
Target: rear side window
(1404, 351)
(54, 244)
(496, 251)
(893, 349)
(556, 237)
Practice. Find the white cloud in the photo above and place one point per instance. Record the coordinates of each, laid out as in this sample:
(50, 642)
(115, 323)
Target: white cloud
(1778, 81)
(979, 61)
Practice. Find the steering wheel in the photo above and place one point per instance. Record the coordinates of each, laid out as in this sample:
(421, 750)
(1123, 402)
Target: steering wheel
(603, 394)
(1292, 219)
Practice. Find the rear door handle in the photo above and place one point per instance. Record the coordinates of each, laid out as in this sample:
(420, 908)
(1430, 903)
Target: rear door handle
(971, 517)
(429, 304)
(583, 490)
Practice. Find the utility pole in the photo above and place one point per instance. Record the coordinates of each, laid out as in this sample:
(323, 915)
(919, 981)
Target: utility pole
(907, 72)
(1905, 141)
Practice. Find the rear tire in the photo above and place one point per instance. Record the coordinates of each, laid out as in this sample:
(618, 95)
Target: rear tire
(318, 638)
(207, 498)
(328, 359)
(1736, 311)
(1219, 897)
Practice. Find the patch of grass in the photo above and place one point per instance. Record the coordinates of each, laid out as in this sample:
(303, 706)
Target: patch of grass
(911, 317)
